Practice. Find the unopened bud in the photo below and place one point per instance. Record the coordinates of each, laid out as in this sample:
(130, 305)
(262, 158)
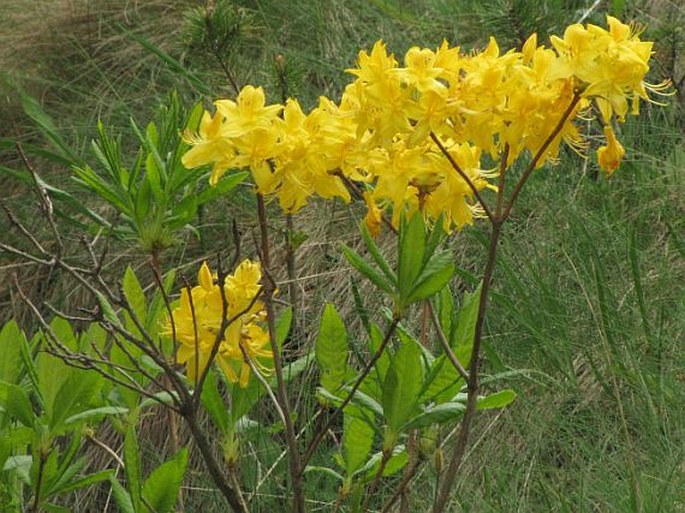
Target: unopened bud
(438, 460)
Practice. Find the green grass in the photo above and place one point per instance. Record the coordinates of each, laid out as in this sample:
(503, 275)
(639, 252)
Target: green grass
(589, 302)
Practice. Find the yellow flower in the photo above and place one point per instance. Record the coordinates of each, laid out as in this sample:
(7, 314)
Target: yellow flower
(382, 131)
(374, 215)
(420, 71)
(248, 113)
(209, 146)
(610, 156)
(610, 65)
(199, 315)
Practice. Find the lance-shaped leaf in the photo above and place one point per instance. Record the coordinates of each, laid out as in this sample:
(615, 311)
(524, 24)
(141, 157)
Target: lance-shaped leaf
(214, 403)
(465, 329)
(434, 277)
(361, 265)
(375, 253)
(134, 294)
(15, 403)
(11, 341)
(331, 349)
(357, 439)
(440, 414)
(121, 496)
(443, 380)
(160, 490)
(497, 400)
(132, 468)
(402, 386)
(410, 255)
(396, 462)
(74, 396)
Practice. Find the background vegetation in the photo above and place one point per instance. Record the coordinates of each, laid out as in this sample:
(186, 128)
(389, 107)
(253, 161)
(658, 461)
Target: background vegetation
(589, 305)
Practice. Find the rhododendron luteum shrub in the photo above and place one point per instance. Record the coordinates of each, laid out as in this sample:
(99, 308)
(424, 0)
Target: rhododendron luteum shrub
(414, 137)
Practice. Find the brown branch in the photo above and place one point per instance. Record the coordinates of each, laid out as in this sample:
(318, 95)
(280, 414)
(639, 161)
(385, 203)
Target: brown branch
(293, 450)
(473, 382)
(445, 343)
(230, 491)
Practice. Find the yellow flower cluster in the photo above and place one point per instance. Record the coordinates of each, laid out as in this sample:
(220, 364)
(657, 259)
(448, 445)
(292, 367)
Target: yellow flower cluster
(197, 322)
(415, 137)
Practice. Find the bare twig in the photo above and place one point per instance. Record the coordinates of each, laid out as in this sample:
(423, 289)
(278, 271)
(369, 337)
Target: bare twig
(445, 344)
(15, 221)
(46, 203)
(26, 256)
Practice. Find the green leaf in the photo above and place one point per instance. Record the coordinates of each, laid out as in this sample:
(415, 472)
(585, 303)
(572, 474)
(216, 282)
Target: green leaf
(331, 349)
(435, 236)
(497, 400)
(132, 468)
(357, 439)
(440, 414)
(283, 324)
(153, 177)
(402, 386)
(74, 396)
(443, 380)
(466, 322)
(159, 397)
(363, 267)
(224, 186)
(214, 403)
(107, 150)
(445, 311)
(324, 470)
(410, 254)
(89, 179)
(96, 413)
(35, 111)
(16, 403)
(134, 294)
(142, 203)
(11, 341)
(53, 372)
(396, 462)
(121, 497)
(378, 257)
(161, 487)
(383, 362)
(20, 466)
(30, 364)
(69, 466)
(107, 311)
(435, 276)
(367, 402)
